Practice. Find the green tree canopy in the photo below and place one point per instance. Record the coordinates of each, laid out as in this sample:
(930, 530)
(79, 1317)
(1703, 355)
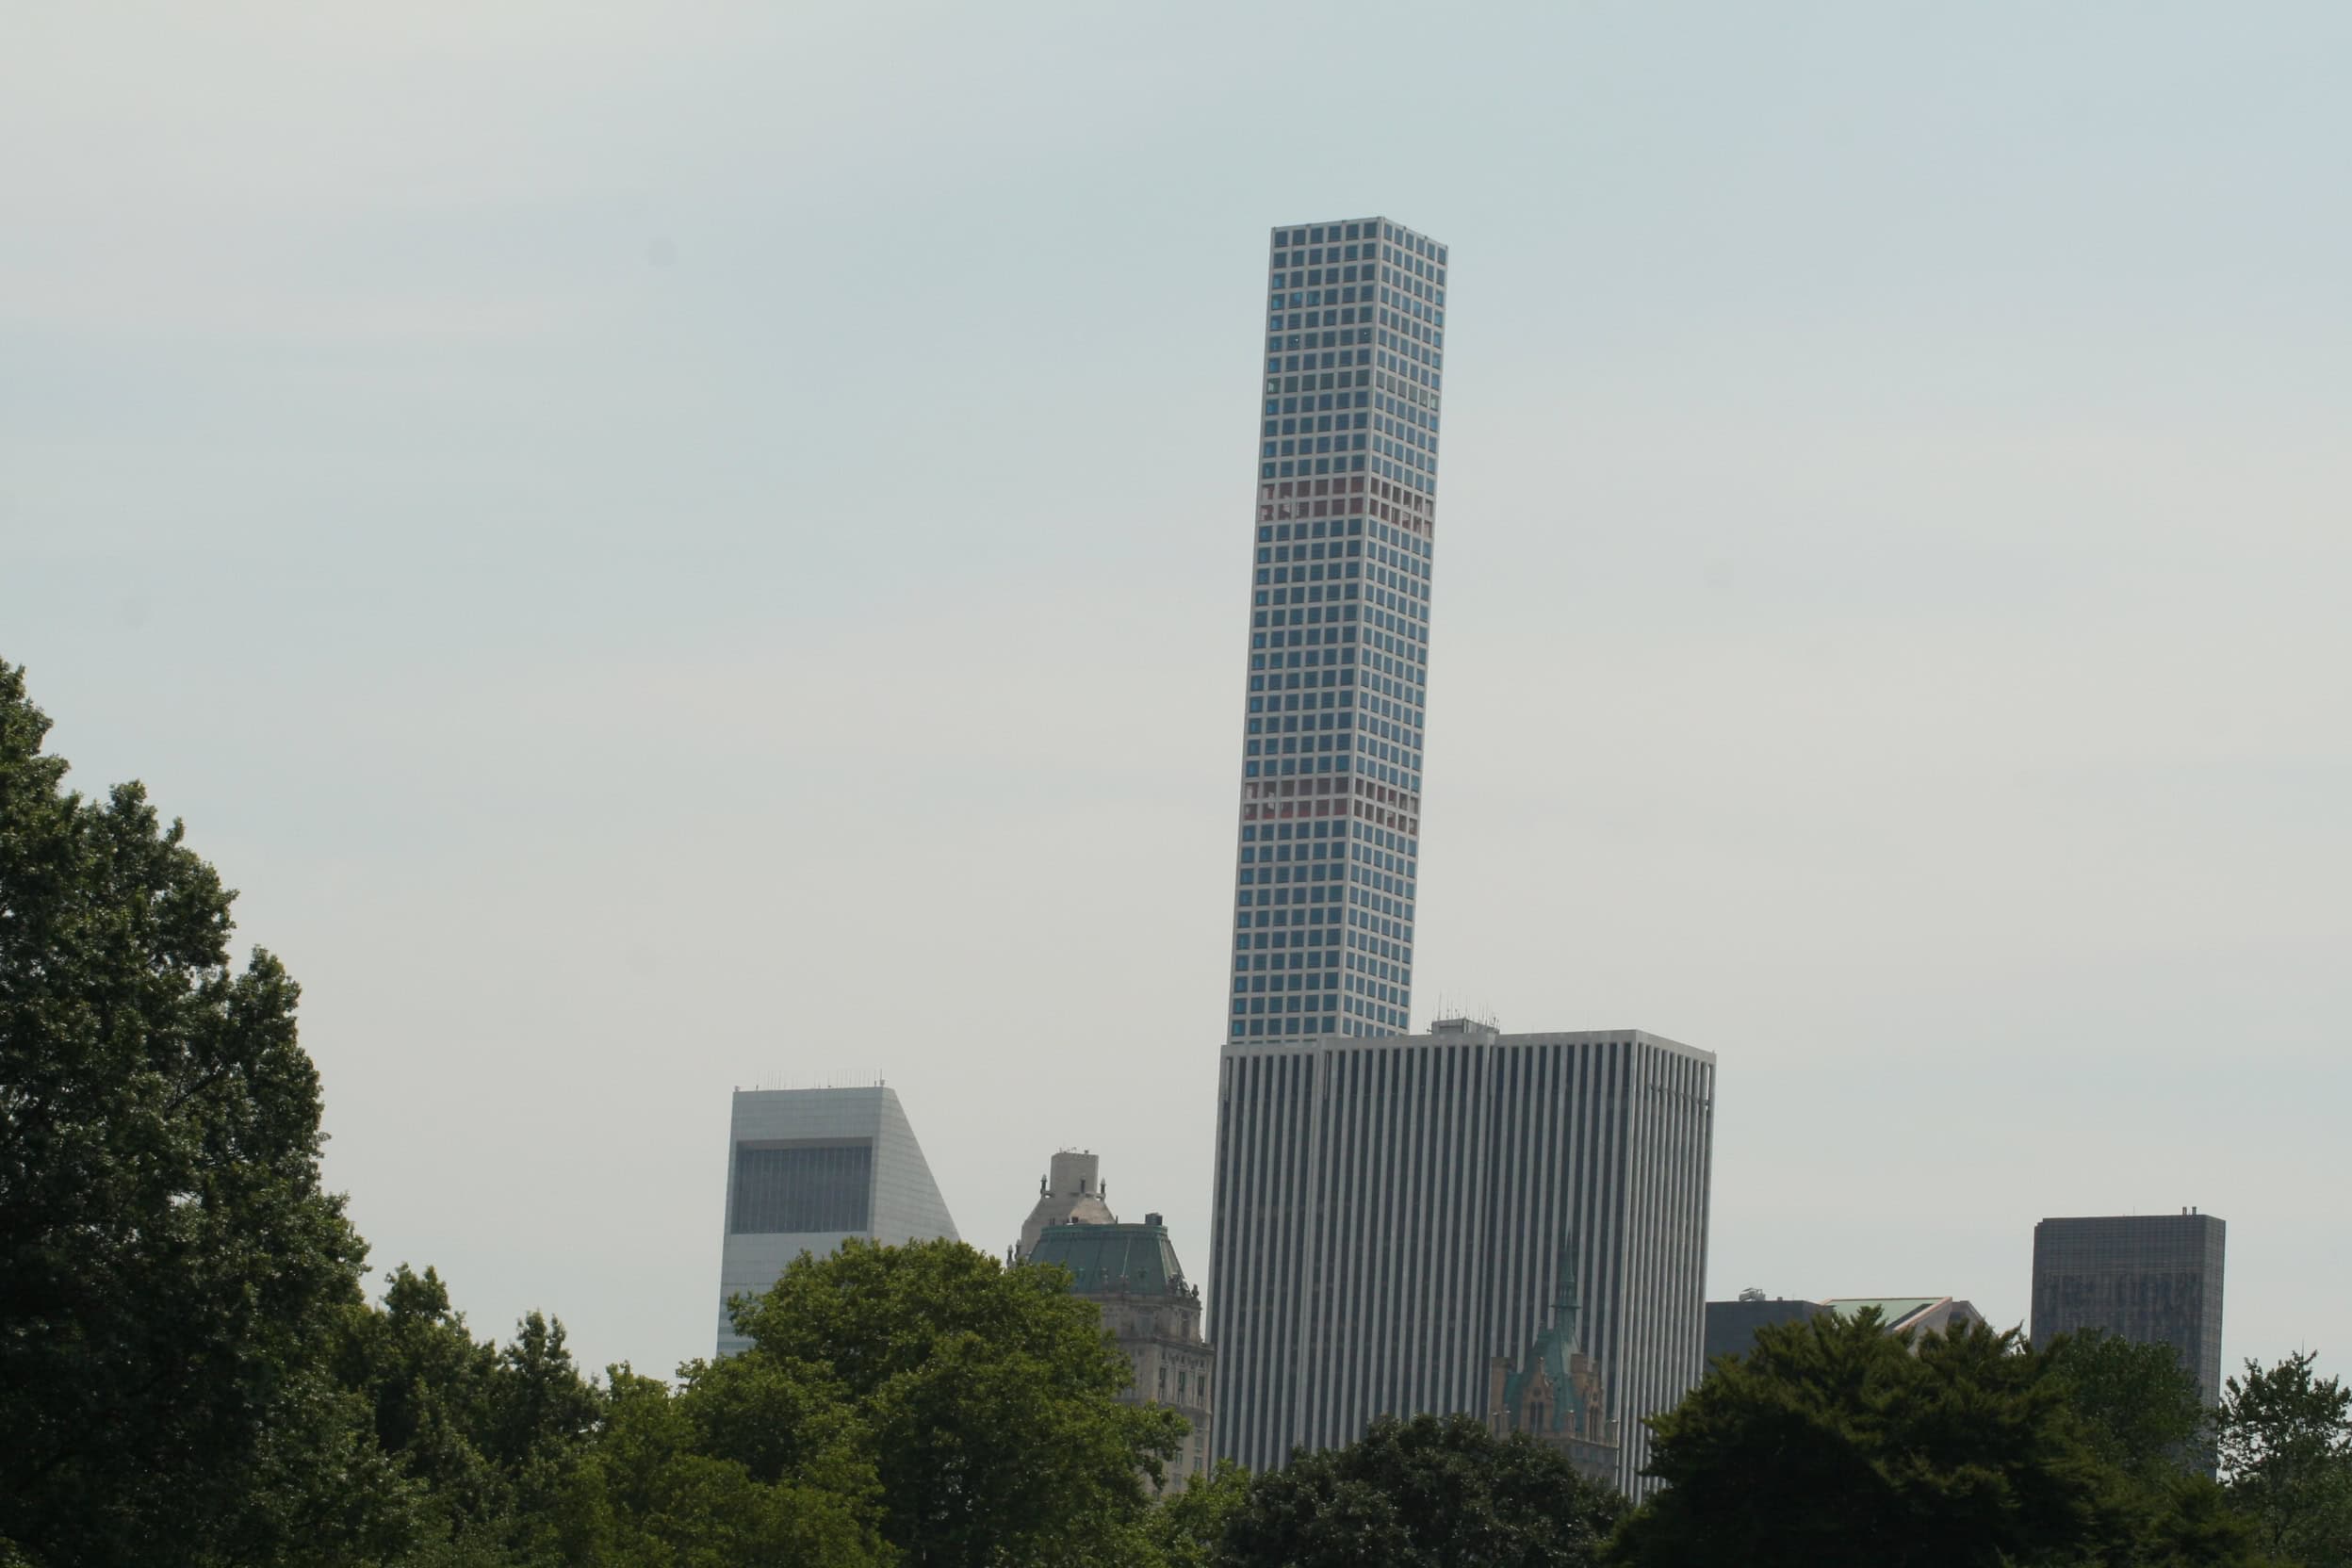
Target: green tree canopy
(2285, 1442)
(1187, 1529)
(987, 1397)
(660, 1490)
(167, 1255)
(2138, 1405)
(487, 1437)
(1427, 1492)
(1835, 1442)
(407, 1442)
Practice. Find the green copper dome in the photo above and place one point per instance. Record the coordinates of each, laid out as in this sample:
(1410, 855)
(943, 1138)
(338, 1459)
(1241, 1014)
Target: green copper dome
(1105, 1259)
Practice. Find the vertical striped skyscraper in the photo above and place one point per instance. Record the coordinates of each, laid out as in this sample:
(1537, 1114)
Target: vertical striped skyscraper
(1391, 1215)
(1339, 630)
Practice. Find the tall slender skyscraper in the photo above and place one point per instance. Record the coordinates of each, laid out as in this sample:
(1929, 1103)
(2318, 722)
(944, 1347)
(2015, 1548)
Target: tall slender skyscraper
(1391, 1211)
(1339, 632)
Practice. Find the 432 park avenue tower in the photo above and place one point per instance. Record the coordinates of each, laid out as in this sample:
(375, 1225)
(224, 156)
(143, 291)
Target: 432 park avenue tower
(1331, 788)
(1392, 1210)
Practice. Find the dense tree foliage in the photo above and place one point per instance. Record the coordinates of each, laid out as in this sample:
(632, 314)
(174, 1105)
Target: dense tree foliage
(1427, 1492)
(1835, 1442)
(2285, 1442)
(167, 1255)
(2138, 1407)
(989, 1396)
(1188, 1527)
(693, 1482)
(486, 1437)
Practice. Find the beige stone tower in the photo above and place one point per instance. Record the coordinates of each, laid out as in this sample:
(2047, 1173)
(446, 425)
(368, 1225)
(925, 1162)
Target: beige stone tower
(1070, 1193)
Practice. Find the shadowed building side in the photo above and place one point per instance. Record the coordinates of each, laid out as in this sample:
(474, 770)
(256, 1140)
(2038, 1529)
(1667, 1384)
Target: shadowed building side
(1731, 1326)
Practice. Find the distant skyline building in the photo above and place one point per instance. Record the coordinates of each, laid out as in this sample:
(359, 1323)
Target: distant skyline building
(2153, 1278)
(1390, 1215)
(809, 1169)
(1340, 561)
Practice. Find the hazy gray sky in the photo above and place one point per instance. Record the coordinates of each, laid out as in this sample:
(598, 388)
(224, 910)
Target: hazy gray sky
(665, 548)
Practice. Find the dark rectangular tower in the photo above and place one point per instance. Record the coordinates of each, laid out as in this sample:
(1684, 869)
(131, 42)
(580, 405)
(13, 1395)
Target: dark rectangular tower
(2154, 1278)
(1330, 821)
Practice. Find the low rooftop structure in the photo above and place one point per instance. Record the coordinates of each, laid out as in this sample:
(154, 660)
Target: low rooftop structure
(1940, 1314)
(1731, 1326)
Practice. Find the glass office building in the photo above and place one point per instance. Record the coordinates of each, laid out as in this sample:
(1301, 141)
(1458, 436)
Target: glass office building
(1341, 550)
(809, 1169)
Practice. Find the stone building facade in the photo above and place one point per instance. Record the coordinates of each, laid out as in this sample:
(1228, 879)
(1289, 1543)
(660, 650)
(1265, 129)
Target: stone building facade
(1554, 1392)
(1151, 1309)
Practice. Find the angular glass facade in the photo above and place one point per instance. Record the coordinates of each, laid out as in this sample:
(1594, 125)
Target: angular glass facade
(816, 1186)
(807, 1168)
(1341, 554)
